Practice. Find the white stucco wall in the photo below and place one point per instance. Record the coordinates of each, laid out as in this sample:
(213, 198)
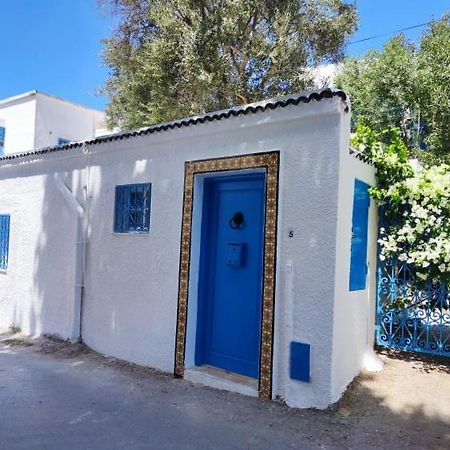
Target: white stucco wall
(130, 301)
(132, 313)
(18, 117)
(56, 118)
(36, 120)
(37, 289)
(354, 311)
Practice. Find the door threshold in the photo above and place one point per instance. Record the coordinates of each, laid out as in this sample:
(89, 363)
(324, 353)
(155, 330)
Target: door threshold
(222, 379)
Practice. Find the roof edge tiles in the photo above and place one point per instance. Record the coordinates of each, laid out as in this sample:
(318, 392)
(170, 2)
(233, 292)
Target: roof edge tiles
(361, 156)
(262, 106)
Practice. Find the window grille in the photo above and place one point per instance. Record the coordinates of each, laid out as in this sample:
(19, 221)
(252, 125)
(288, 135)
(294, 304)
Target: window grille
(132, 208)
(2, 140)
(4, 241)
(62, 141)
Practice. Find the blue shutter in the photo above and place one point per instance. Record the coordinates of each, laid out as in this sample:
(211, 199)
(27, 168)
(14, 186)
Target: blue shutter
(4, 241)
(2, 140)
(132, 208)
(358, 259)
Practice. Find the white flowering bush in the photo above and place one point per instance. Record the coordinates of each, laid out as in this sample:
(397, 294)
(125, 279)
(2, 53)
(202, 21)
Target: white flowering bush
(415, 205)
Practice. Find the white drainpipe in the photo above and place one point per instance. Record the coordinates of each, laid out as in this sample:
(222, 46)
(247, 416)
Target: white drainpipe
(80, 249)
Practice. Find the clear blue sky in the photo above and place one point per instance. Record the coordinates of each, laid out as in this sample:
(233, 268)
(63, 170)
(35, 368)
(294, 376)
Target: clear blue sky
(384, 16)
(54, 45)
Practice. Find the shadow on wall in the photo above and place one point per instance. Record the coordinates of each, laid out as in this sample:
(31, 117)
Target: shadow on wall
(39, 280)
(52, 309)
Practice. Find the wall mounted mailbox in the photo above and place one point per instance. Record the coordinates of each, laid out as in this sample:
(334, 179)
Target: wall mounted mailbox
(300, 361)
(235, 254)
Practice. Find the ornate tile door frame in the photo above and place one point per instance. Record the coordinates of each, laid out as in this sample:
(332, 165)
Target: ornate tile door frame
(270, 162)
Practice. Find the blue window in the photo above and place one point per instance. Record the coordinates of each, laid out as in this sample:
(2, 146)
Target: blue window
(358, 259)
(62, 141)
(4, 241)
(132, 209)
(2, 140)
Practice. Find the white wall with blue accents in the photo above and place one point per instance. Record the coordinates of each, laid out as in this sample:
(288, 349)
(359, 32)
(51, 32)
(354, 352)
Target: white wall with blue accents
(59, 200)
(355, 308)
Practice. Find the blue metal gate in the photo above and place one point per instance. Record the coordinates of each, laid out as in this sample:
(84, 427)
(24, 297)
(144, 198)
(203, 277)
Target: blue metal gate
(424, 325)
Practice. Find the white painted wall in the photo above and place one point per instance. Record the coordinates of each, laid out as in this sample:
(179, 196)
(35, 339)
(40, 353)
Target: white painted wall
(56, 118)
(37, 289)
(354, 312)
(18, 117)
(131, 294)
(36, 120)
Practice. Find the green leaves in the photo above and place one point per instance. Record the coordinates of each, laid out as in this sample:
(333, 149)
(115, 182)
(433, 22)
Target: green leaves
(415, 205)
(193, 56)
(390, 156)
(407, 87)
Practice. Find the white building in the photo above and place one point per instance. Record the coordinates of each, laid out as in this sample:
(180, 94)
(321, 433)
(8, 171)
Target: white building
(233, 242)
(325, 75)
(36, 120)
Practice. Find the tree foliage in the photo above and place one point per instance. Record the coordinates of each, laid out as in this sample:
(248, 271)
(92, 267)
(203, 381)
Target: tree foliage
(172, 58)
(408, 87)
(415, 205)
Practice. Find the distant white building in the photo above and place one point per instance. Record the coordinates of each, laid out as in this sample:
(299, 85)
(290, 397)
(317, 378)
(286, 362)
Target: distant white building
(325, 75)
(35, 120)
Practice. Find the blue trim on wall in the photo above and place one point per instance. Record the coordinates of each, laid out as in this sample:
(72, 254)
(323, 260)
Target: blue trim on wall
(4, 240)
(2, 140)
(62, 141)
(360, 219)
(300, 367)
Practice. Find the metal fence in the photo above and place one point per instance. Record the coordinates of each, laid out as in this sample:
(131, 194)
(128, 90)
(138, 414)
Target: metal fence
(424, 324)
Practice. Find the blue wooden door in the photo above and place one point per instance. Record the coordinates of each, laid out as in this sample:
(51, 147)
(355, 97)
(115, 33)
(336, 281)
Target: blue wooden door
(230, 289)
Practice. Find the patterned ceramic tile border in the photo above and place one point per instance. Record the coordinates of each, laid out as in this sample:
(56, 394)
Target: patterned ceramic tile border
(270, 162)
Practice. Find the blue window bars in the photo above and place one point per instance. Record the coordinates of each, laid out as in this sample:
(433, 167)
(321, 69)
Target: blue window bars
(62, 141)
(2, 140)
(132, 208)
(4, 241)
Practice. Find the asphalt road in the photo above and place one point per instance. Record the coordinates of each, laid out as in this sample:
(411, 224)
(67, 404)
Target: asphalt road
(70, 398)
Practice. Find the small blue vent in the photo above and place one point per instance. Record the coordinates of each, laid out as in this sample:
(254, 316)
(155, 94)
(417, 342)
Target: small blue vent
(132, 209)
(4, 241)
(300, 361)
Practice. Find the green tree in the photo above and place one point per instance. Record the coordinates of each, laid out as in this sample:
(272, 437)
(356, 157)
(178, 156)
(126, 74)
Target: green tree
(405, 86)
(172, 58)
(433, 87)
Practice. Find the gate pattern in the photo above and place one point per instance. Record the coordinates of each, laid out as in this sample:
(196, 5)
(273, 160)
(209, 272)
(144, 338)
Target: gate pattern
(424, 325)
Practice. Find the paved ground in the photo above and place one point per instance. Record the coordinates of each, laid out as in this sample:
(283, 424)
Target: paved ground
(59, 396)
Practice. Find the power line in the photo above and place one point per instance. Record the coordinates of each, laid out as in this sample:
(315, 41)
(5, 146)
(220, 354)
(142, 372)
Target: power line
(390, 33)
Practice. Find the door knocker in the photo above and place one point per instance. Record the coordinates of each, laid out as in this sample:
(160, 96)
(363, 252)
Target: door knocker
(237, 220)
